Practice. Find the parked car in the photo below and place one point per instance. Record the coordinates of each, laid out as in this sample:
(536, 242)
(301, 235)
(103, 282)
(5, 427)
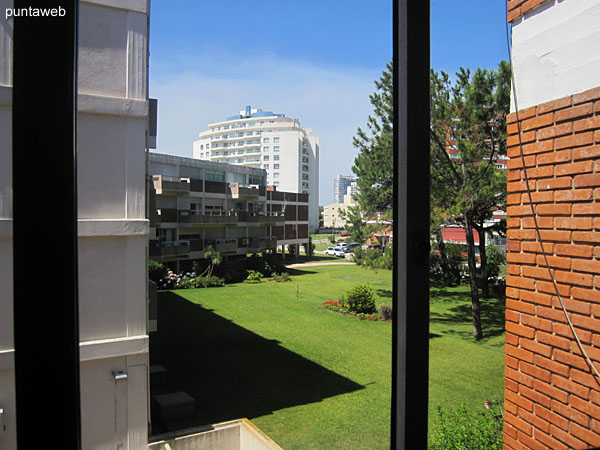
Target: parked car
(372, 246)
(352, 246)
(338, 251)
(329, 251)
(344, 233)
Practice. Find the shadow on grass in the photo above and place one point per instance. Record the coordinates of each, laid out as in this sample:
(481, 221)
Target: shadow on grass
(230, 371)
(387, 293)
(492, 316)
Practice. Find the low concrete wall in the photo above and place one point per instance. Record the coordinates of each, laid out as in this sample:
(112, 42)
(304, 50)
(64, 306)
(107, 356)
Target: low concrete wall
(237, 434)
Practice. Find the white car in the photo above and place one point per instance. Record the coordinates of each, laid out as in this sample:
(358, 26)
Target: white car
(330, 251)
(338, 251)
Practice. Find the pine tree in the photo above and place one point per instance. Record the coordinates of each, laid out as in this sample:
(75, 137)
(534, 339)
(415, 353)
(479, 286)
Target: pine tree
(373, 165)
(472, 112)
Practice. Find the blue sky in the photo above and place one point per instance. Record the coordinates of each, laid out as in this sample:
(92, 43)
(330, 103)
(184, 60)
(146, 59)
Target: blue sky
(312, 60)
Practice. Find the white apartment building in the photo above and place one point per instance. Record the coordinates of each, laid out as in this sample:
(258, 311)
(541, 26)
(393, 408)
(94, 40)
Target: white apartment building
(270, 141)
(112, 124)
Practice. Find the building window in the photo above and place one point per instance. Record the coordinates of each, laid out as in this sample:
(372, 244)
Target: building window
(265, 140)
(305, 168)
(276, 157)
(265, 166)
(266, 149)
(212, 175)
(275, 166)
(276, 175)
(275, 139)
(276, 183)
(276, 148)
(266, 158)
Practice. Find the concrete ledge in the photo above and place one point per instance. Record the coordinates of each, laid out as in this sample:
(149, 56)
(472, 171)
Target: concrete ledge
(112, 227)
(111, 348)
(6, 95)
(7, 359)
(239, 434)
(6, 228)
(115, 106)
(130, 5)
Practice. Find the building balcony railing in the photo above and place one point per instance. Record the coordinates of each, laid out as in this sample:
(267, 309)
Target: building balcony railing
(208, 217)
(255, 217)
(170, 185)
(170, 249)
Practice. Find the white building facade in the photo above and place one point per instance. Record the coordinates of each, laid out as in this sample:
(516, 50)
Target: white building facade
(112, 123)
(270, 141)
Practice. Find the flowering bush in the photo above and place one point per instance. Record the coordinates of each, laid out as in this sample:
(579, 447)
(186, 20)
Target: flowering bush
(188, 280)
(344, 308)
(467, 429)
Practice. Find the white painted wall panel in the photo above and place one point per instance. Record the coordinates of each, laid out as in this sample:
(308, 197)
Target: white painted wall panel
(5, 162)
(101, 162)
(556, 51)
(8, 438)
(6, 44)
(102, 67)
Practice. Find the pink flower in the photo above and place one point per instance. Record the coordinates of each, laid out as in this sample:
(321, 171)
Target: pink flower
(487, 405)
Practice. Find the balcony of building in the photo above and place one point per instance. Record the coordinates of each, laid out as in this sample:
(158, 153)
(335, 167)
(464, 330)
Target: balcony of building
(248, 192)
(269, 218)
(179, 249)
(170, 185)
(217, 217)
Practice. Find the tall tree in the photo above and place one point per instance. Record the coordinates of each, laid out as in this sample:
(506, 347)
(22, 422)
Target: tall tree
(373, 165)
(469, 116)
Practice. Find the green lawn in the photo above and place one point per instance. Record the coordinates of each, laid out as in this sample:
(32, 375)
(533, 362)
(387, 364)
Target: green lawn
(309, 378)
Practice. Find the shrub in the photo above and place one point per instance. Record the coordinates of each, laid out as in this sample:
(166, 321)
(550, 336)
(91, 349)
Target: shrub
(284, 276)
(209, 281)
(374, 258)
(156, 271)
(254, 276)
(360, 299)
(385, 311)
(467, 429)
(495, 258)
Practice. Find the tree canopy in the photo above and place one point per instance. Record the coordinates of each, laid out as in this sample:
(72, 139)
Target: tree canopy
(468, 133)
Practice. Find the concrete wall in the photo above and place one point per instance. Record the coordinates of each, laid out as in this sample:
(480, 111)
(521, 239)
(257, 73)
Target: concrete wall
(552, 399)
(113, 230)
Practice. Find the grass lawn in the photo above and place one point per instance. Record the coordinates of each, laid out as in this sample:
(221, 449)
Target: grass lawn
(309, 378)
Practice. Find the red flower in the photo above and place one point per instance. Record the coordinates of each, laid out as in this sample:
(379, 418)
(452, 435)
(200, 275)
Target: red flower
(332, 303)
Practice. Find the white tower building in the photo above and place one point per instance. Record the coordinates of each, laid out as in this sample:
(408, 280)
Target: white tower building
(278, 144)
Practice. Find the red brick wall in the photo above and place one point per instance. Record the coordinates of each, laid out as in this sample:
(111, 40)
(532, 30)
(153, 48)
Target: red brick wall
(516, 8)
(551, 399)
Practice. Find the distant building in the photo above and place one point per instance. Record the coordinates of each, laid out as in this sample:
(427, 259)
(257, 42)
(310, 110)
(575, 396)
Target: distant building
(196, 204)
(332, 214)
(266, 140)
(340, 187)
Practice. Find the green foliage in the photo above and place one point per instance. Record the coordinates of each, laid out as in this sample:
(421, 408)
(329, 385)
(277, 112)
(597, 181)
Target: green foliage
(373, 165)
(360, 299)
(495, 259)
(374, 258)
(284, 276)
(254, 276)
(465, 429)
(156, 271)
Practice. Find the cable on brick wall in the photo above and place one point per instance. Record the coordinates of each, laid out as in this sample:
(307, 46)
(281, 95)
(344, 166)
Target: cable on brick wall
(533, 213)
